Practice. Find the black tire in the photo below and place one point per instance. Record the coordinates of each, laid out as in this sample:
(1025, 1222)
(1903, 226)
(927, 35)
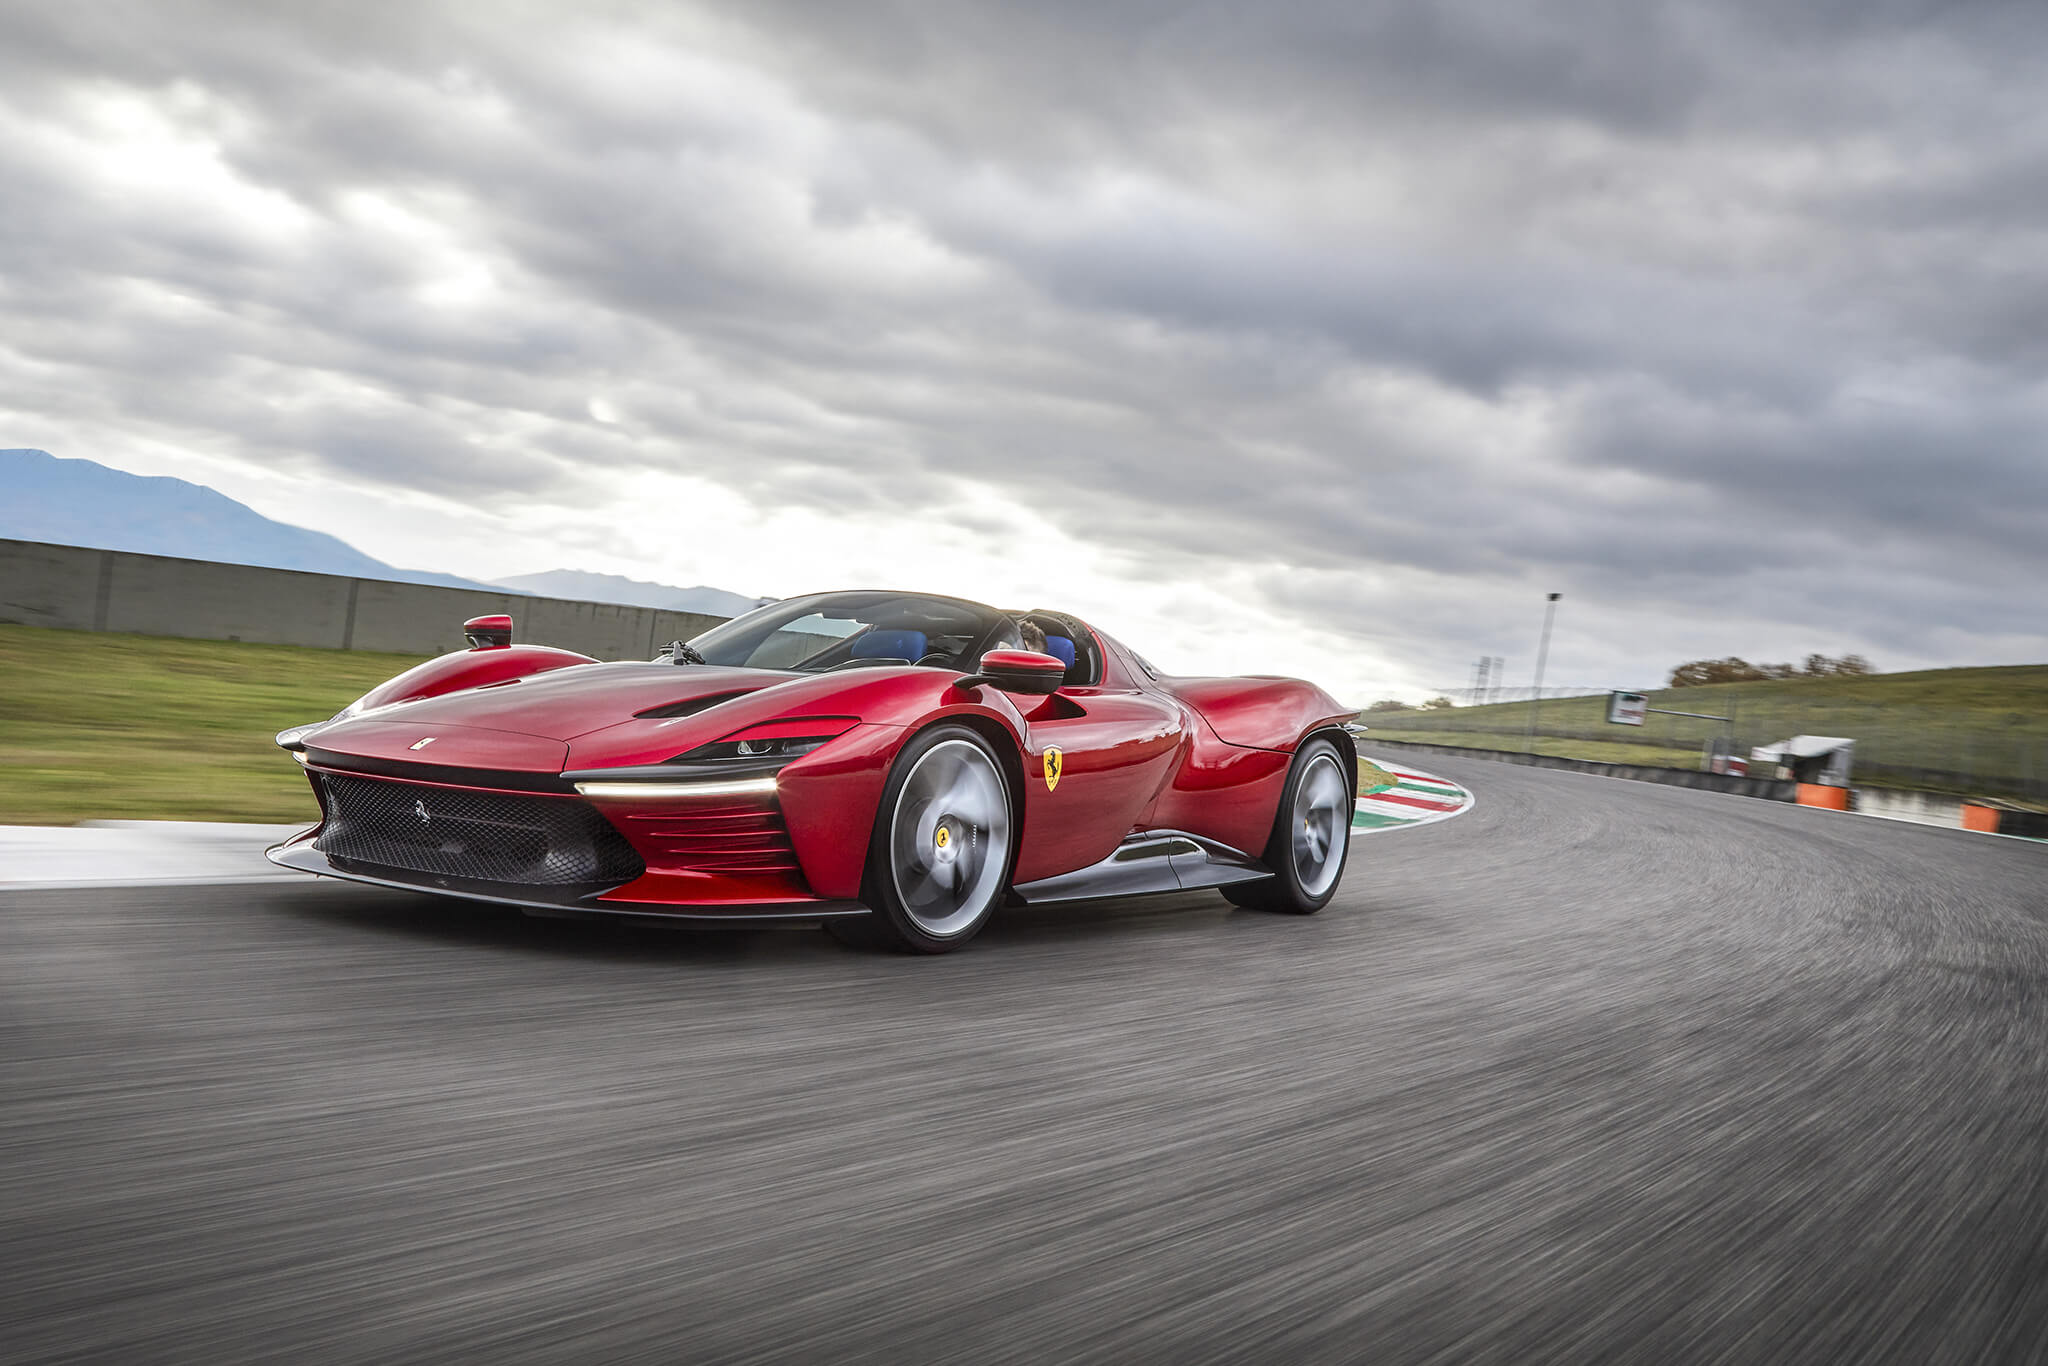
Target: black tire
(1311, 839)
(943, 846)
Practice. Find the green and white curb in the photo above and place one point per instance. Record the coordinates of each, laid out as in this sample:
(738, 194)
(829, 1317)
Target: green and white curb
(1413, 798)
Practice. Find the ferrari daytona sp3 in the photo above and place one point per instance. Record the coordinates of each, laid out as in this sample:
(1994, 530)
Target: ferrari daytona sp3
(893, 764)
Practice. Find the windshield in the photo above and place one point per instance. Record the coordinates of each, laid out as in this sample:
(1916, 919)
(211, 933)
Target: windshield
(854, 630)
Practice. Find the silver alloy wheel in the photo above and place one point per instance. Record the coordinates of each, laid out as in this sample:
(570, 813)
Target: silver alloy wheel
(1322, 824)
(949, 838)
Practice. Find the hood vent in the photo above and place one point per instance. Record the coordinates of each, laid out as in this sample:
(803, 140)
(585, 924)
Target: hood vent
(693, 706)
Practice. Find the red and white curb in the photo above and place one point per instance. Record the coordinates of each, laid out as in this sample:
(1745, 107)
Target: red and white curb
(1413, 798)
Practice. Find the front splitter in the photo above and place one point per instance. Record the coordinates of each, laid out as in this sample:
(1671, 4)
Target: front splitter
(300, 855)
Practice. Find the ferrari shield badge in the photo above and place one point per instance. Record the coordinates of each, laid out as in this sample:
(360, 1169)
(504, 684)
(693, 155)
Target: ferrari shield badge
(1053, 757)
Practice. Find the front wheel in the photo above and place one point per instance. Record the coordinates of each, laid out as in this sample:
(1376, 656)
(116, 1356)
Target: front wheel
(942, 846)
(1311, 836)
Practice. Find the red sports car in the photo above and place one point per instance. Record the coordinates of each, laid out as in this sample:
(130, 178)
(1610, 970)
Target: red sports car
(893, 764)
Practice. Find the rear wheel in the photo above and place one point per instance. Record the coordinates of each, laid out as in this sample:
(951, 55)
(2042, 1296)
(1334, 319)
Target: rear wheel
(941, 851)
(1311, 836)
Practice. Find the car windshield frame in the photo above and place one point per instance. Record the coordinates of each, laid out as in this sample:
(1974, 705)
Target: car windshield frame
(958, 632)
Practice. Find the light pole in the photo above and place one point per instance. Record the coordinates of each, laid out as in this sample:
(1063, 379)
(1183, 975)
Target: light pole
(1542, 655)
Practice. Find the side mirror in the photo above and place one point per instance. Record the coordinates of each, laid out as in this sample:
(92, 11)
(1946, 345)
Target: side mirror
(488, 633)
(1018, 671)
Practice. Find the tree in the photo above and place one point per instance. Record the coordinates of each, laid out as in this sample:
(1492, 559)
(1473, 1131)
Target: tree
(1438, 704)
(1699, 672)
(1388, 704)
(1820, 666)
(1735, 669)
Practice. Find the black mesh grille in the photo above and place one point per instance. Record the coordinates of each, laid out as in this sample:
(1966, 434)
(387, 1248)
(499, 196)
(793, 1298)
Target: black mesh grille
(483, 836)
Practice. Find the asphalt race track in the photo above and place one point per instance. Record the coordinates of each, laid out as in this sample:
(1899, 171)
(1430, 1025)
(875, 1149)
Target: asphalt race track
(1601, 1070)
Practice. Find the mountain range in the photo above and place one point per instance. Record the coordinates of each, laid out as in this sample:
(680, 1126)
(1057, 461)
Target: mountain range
(49, 498)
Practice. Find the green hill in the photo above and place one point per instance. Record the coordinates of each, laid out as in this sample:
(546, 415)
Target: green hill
(1979, 731)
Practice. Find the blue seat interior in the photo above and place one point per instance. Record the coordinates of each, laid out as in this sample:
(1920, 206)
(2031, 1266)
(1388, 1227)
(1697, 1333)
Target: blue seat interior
(1060, 648)
(891, 644)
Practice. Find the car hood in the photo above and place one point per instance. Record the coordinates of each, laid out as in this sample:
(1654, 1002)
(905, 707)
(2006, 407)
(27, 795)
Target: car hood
(624, 715)
(560, 704)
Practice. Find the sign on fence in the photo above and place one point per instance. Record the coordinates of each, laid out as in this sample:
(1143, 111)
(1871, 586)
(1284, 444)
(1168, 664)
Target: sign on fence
(1627, 708)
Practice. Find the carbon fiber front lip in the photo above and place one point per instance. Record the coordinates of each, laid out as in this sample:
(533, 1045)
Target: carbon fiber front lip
(299, 855)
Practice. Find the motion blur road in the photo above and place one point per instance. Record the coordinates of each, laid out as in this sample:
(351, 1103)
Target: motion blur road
(1602, 1068)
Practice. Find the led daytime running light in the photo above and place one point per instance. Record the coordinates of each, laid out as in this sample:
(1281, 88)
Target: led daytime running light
(750, 787)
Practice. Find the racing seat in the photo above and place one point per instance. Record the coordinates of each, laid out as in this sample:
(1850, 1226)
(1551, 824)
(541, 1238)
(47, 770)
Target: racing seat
(1065, 641)
(908, 646)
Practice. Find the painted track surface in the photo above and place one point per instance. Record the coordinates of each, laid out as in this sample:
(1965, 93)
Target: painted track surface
(1413, 797)
(1599, 1069)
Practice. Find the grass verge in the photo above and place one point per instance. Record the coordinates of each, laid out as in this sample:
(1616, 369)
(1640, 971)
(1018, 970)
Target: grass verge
(1372, 778)
(99, 726)
(1660, 756)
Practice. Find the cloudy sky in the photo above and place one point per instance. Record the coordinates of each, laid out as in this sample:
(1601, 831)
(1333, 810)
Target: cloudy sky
(1306, 336)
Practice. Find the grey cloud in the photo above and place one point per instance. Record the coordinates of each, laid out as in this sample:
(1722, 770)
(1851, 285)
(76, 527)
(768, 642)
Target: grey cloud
(1618, 298)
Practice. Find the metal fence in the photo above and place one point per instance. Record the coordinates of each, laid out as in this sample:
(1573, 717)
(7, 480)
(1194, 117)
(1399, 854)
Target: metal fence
(1488, 696)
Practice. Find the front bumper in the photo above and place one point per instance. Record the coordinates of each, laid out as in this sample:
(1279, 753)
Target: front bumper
(298, 853)
(711, 858)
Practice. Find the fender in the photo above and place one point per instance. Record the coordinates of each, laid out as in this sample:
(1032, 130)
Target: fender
(896, 697)
(1260, 713)
(467, 669)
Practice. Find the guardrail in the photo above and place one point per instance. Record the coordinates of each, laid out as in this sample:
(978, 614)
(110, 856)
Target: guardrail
(1769, 789)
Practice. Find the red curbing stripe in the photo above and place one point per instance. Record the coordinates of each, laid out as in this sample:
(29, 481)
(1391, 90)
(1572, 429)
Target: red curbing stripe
(1427, 803)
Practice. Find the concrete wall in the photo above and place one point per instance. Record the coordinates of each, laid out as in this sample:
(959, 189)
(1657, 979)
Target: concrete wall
(1921, 808)
(110, 590)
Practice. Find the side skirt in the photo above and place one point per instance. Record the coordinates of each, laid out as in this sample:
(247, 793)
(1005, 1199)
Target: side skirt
(1153, 861)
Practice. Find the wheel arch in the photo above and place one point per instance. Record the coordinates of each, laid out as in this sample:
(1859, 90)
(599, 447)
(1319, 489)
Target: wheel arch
(1009, 757)
(1346, 742)
(1347, 752)
(1282, 891)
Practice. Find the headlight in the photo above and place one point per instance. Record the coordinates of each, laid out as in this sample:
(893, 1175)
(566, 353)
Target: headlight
(769, 742)
(778, 748)
(741, 765)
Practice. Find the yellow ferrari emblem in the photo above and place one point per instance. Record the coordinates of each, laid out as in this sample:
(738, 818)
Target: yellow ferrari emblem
(1052, 767)
(943, 838)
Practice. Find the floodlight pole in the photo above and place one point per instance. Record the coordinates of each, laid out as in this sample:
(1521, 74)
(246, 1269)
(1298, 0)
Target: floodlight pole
(1542, 656)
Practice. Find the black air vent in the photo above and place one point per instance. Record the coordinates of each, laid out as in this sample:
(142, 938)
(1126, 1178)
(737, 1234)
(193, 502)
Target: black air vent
(406, 828)
(693, 706)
